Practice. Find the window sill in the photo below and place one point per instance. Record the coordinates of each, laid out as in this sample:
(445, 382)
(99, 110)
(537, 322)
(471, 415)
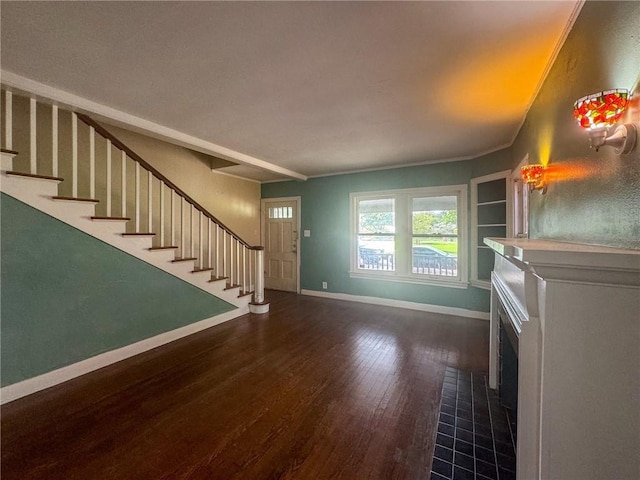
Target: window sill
(431, 281)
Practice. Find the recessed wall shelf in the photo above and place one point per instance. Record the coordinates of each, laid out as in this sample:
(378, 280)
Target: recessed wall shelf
(490, 217)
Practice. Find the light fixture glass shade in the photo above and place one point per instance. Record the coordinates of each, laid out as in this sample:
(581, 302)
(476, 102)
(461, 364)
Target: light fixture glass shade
(600, 109)
(533, 175)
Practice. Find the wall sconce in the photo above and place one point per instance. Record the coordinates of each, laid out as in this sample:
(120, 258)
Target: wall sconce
(533, 176)
(598, 112)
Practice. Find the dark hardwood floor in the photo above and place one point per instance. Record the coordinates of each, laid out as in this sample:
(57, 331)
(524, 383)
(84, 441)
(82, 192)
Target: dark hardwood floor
(315, 389)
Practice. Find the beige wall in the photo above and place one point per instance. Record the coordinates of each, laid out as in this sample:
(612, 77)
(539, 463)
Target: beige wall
(593, 197)
(235, 202)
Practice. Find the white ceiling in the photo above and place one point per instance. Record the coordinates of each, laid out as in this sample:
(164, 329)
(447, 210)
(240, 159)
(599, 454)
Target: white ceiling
(313, 87)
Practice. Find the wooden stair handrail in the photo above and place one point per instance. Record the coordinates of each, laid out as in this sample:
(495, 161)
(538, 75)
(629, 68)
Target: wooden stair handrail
(137, 158)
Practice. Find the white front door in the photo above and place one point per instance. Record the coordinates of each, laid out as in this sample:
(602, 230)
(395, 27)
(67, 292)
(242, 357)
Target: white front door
(281, 244)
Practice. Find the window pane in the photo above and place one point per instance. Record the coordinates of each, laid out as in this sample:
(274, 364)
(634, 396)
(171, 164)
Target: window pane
(376, 216)
(435, 256)
(435, 216)
(376, 252)
(280, 212)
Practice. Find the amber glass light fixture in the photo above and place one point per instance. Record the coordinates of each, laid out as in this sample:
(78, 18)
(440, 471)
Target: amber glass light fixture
(598, 112)
(533, 176)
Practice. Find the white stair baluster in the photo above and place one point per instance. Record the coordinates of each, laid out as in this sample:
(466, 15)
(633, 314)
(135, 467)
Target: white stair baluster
(183, 242)
(224, 253)
(74, 155)
(238, 276)
(232, 269)
(32, 131)
(8, 117)
(172, 219)
(92, 162)
(150, 202)
(191, 235)
(162, 213)
(218, 251)
(54, 140)
(137, 197)
(244, 269)
(123, 183)
(108, 179)
(209, 265)
(249, 263)
(200, 242)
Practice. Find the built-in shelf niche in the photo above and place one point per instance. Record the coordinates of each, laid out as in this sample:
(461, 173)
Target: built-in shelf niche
(490, 217)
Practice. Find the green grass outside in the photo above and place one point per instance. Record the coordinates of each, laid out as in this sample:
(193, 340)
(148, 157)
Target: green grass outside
(448, 247)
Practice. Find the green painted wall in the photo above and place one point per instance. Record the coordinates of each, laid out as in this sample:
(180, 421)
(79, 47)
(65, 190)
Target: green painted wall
(325, 211)
(593, 197)
(66, 296)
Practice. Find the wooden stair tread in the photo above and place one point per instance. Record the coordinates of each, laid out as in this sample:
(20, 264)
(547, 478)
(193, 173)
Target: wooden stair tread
(231, 287)
(33, 175)
(76, 199)
(244, 294)
(4, 150)
(217, 279)
(163, 248)
(186, 259)
(110, 218)
(138, 234)
(198, 270)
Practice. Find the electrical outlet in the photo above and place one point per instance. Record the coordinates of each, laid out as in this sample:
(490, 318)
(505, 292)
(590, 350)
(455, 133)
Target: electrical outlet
(324, 285)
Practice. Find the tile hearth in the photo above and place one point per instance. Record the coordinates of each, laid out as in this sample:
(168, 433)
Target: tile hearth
(475, 439)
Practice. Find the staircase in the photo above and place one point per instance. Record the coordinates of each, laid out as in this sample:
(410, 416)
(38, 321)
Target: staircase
(129, 205)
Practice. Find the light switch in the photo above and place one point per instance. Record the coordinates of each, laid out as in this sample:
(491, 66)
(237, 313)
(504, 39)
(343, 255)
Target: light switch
(307, 233)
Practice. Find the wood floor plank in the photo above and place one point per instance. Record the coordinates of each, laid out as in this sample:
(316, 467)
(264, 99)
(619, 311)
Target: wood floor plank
(316, 389)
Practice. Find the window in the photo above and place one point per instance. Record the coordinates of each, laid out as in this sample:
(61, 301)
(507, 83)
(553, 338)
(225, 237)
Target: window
(280, 212)
(413, 235)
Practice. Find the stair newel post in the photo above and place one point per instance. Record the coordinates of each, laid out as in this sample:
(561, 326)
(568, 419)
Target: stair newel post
(74, 155)
(92, 161)
(259, 305)
(162, 189)
(54, 140)
(137, 196)
(109, 179)
(8, 117)
(32, 136)
(123, 182)
(150, 202)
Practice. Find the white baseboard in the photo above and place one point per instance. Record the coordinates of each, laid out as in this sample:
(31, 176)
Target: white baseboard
(55, 377)
(389, 302)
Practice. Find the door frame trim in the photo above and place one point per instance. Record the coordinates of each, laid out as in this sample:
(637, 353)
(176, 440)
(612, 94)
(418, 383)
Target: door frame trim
(298, 201)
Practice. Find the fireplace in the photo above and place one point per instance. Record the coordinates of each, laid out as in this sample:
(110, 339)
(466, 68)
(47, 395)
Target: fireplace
(508, 363)
(564, 351)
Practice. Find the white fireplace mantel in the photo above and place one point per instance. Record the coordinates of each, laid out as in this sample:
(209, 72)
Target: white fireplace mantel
(576, 309)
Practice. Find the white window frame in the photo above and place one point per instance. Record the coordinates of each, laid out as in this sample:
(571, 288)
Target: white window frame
(404, 236)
